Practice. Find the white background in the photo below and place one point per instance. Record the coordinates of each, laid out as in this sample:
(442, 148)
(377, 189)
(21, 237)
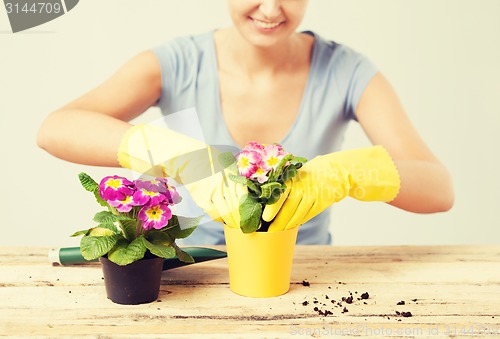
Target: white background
(443, 58)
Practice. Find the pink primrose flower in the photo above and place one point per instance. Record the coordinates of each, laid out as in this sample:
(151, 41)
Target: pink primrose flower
(272, 156)
(144, 197)
(153, 184)
(124, 205)
(172, 195)
(260, 174)
(155, 191)
(256, 160)
(114, 187)
(248, 161)
(156, 216)
(254, 146)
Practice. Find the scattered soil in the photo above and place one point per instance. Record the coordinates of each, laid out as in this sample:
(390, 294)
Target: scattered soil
(328, 310)
(325, 305)
(348, 300)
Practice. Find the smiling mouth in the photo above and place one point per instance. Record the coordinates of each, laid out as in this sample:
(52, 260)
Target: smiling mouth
(266, 25)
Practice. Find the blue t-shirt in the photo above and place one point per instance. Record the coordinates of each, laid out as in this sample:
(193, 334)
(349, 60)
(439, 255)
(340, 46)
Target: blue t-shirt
(337, 78)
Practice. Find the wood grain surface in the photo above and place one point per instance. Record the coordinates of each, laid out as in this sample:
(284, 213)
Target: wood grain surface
(449, 292)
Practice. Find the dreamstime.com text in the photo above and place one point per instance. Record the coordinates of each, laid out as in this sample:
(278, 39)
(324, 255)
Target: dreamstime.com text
(399, 330)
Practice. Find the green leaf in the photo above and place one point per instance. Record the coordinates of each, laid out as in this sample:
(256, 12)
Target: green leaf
(108, 217)
(172, 222)
(299, 160)
(100, 200)
(90, 185)
(95, 247)
(128, 227)
(177, 232)
(226, 159)
(124, 253)
(111, 227)
(288, 173)
(250, 213)
(253, 189)
(280, 166)
(276, 194)
(100, 232)
(87, 182)
(237, 178)
(188, 222)
(158, 237)
(269, 189)
(78, 233)
(105, 217)
(181, 255)
(158, 243)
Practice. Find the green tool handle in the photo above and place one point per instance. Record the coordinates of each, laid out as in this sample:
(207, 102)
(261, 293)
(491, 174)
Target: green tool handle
(67, 256)
(73, 255)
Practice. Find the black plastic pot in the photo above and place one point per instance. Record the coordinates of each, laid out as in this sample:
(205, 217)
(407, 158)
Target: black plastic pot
(136, 283)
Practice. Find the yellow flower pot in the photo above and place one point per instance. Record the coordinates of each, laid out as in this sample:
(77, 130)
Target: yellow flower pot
(260, 263)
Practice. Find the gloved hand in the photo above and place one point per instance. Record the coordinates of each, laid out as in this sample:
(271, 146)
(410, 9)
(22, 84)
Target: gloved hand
(157, 151)
(161, 152)
(219, 197)
(366, 174)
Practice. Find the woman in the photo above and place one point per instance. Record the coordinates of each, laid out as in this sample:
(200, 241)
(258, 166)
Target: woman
(258, 80)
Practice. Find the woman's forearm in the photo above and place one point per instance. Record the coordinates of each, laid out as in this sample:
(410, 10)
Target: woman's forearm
(89, 129)
(426, 187)
(83, 137)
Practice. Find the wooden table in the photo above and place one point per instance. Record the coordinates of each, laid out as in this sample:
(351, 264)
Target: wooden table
(449, 291)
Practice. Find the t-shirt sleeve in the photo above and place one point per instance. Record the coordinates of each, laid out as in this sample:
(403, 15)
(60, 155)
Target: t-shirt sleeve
(174, 57)
(360, 71)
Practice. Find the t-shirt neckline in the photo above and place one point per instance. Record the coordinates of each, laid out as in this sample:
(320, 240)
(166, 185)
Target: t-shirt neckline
(305, 94)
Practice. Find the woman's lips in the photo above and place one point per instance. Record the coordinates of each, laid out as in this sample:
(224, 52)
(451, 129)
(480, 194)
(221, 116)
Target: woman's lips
(266, 26)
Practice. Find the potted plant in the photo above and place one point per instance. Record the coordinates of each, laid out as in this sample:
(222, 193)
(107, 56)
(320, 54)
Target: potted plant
(134, 234)
(260, 257)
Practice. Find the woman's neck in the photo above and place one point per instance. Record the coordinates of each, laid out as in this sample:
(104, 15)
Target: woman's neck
(239, 55)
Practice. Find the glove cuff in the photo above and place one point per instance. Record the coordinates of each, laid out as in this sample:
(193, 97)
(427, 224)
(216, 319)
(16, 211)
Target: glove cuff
(123, 156)
(153, 150)
(374, 177)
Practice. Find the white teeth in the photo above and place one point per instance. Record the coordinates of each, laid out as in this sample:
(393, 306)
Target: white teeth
(266, 25)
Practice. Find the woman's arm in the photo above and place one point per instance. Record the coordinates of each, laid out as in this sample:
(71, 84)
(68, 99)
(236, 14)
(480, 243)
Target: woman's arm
(426, 185)
(89, 129)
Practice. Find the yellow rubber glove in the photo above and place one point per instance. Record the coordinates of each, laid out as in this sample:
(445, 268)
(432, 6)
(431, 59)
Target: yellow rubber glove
(366, 174)
(158, 151)
(161, 152)
(219, 197)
